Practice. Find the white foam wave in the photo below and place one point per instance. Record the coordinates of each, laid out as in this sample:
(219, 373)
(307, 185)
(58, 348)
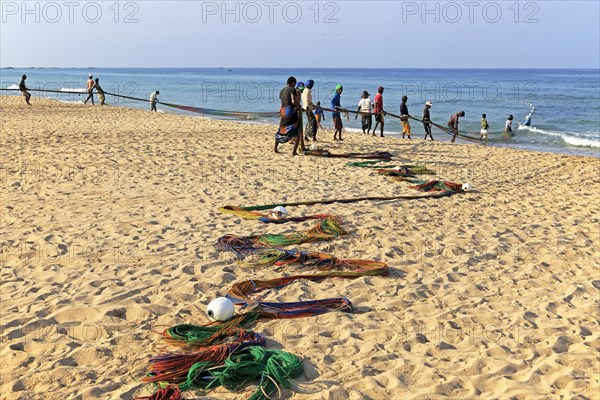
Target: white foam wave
(78, 90)
(13, 87)
(571, 138)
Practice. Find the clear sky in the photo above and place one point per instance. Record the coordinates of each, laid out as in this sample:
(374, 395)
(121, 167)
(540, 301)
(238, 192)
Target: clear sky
(393, 34)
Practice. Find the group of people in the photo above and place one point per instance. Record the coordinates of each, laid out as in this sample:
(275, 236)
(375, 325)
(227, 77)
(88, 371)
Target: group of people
(92, 84)
(296, 101)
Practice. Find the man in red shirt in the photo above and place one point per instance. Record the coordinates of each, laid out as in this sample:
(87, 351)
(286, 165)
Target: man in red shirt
(378, 110)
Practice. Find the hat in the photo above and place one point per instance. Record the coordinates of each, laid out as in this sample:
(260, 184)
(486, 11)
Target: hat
(90, 76)
(339, 87)
(404, 98)
(365, 93)
(380, 89)
(428, 104)
(300, 86)
(310, 83)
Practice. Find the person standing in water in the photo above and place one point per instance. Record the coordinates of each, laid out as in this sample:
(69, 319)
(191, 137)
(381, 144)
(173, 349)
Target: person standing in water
(483, 135)
(508, 127)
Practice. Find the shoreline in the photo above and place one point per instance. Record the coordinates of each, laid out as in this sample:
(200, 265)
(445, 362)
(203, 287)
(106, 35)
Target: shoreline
(584, 151)
(110, 215)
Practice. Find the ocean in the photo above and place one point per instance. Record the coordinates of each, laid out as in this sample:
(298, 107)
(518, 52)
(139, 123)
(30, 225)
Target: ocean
(564, 103)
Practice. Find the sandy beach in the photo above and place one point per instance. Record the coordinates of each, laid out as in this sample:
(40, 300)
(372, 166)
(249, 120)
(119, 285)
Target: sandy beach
(109, 217)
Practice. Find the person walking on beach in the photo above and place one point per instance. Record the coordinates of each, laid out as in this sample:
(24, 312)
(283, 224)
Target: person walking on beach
(453, 124)
(90, 89)
(336, 115)
(378, 110)
(101, 96)
(484, 129)
(23, 89)
(290, 126)
(427, 121)
(508, 127)
(404, 117)
(364, 107)
(154, 100)
(307, 103)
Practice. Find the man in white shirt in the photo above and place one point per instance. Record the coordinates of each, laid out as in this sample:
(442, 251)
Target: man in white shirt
(365, 106)
(307, 104)
(153, 100)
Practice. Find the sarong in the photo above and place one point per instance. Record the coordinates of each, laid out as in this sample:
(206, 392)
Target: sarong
(290, 125)
(311, 125)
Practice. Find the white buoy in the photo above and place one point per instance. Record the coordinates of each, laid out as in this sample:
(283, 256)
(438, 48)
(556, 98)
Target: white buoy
(279, 212)
(467, 187)
(220, 309)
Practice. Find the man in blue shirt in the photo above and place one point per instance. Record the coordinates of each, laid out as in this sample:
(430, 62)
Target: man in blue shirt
(336, 115)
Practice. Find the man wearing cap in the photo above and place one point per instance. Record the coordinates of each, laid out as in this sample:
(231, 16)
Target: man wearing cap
(427, 121)
(378, 110)
(90, 89)
(453, 124)
(404, 117)
(307, 104)
(364, 107)
(336, 115)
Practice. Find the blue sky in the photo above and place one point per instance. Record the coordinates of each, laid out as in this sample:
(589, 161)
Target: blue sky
(392, 34)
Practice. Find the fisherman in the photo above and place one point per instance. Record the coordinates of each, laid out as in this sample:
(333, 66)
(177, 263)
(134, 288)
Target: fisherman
(484, 128)
(453, 124)
(154, 100)
(404, 117)
(427, 121)
(508, 127)
(23, 89)
(364, 107)
(307, 103)
(289, 125)
(527, 120)
(90, 89)
(378, 110)
(336, 115)
(101, 96)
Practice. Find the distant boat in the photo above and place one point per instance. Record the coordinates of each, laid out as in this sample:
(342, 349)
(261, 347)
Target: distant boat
(229, 70)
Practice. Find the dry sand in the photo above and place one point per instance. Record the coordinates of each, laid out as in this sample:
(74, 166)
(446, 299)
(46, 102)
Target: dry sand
(109, 216)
